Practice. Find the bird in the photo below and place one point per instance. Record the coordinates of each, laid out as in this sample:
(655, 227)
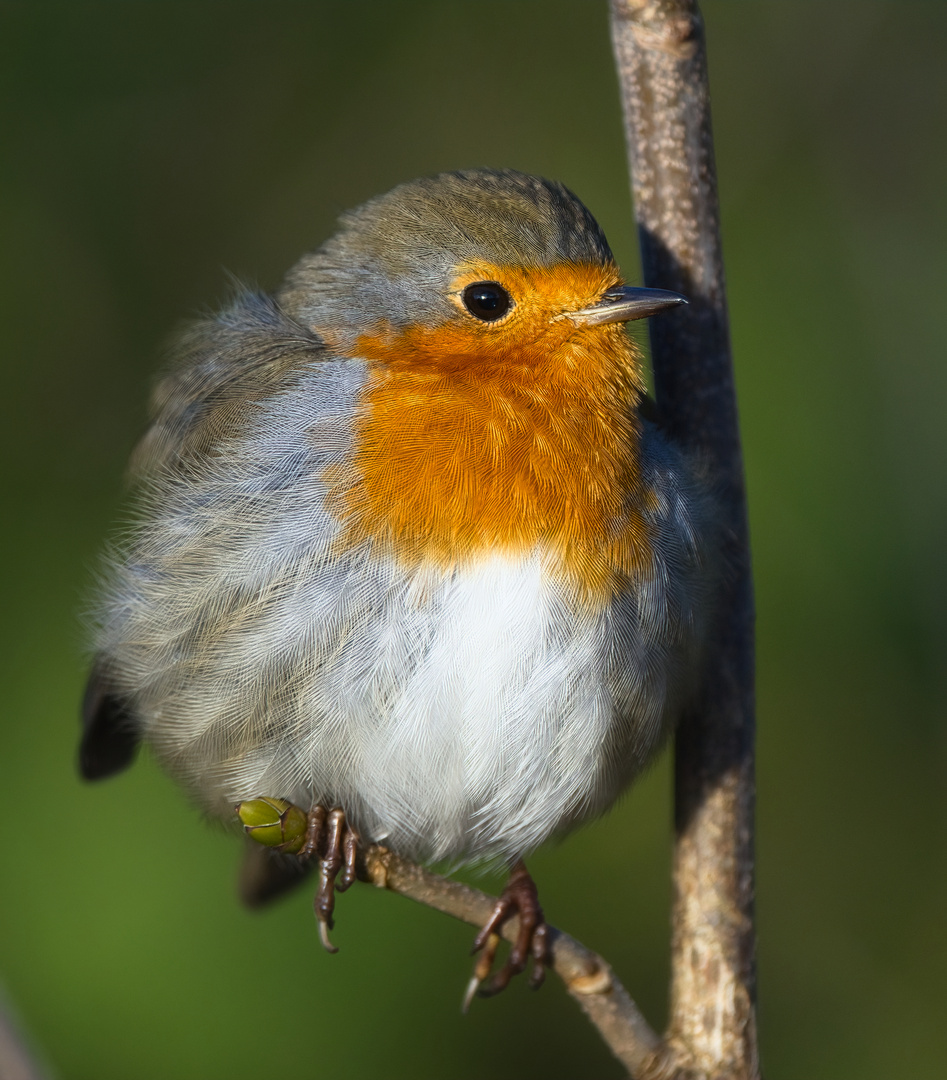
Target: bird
(412, 560)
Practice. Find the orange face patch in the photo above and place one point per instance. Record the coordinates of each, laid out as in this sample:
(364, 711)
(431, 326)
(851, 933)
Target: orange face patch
(477, 437)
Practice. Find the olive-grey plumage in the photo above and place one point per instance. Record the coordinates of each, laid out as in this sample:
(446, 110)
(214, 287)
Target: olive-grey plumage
(466, 711)
(393, 258)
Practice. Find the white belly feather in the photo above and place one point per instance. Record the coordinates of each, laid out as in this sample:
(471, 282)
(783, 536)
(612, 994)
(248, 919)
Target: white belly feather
(466, 714)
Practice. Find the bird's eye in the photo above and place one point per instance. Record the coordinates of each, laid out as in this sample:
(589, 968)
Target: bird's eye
(486, 300)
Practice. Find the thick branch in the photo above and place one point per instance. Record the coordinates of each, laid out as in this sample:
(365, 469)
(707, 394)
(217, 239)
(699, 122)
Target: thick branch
(587, 976)
(659, 48)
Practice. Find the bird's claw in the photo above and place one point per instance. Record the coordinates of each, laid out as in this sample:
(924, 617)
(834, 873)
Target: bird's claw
(330, 838)
(518, 898)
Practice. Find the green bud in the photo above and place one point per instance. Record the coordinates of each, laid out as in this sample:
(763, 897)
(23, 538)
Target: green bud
(274, 823)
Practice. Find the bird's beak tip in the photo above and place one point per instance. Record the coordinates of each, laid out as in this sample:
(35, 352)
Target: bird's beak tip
(625, 304)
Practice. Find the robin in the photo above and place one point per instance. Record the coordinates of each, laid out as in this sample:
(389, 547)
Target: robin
(411, 553)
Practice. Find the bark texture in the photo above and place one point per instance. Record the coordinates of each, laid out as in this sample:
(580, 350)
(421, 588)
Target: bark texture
(662, 68)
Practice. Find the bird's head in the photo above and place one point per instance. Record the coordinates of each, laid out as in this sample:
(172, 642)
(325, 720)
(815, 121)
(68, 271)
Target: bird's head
(480, 264)
(498, 409)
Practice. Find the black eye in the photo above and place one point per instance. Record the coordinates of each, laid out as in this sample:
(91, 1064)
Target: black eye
(487, 300)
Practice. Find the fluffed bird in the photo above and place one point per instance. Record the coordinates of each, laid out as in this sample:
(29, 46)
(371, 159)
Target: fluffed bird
(410, 552)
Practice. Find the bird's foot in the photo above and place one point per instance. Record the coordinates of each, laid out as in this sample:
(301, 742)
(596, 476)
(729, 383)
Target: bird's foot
(331, 839)
(521, 898)
(321, 834)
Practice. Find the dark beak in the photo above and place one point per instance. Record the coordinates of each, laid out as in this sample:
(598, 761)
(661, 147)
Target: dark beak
(623, 303)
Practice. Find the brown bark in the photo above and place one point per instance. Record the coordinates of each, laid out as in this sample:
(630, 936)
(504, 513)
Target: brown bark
(662, 68)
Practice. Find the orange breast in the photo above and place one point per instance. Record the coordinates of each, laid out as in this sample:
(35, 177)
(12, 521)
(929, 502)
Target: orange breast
(477, 438)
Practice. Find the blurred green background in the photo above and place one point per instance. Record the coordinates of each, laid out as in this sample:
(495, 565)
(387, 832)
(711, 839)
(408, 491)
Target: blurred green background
(150, 148)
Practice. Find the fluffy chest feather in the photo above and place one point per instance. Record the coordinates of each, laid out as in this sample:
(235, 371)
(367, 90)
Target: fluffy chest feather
(464, 689)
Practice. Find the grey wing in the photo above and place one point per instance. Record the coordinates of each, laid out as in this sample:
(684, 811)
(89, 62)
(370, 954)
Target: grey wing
(224, 364)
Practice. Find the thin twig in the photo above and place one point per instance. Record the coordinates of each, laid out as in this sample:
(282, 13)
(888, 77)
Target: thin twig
(662, 69)
(587, 977)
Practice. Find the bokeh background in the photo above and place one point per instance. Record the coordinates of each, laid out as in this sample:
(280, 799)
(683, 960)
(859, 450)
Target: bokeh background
(148, 150)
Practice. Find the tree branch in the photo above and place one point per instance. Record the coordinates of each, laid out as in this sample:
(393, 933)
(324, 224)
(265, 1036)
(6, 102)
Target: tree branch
(587, 977)
(662, 68)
